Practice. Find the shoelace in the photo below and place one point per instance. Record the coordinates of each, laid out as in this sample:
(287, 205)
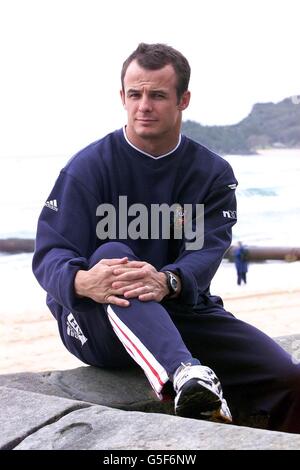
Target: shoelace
(206, 373)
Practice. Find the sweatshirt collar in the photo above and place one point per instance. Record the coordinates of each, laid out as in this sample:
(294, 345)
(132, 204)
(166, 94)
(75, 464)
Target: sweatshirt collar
(148, 154)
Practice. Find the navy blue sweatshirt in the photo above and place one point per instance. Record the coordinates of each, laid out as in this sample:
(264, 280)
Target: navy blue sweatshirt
(110, 168)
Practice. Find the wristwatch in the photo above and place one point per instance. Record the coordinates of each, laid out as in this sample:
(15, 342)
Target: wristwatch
(172, 283)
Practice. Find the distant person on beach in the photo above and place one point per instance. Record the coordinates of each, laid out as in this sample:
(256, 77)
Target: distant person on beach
(127, 244)
(241, 263)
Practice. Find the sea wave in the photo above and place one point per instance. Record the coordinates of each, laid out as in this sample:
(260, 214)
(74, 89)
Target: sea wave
(250, 192)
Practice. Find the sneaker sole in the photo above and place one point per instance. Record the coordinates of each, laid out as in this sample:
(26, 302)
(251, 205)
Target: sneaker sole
(201, 404)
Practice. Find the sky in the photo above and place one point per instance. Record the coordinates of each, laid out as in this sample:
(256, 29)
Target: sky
(61, 61)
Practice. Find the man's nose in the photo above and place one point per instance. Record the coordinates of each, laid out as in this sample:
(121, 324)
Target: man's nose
(145, 104)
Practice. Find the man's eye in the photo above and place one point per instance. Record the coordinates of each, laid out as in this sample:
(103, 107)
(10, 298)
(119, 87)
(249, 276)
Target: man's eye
(133, 95)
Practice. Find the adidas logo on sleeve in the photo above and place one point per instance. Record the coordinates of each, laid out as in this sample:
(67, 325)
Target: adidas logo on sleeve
(52, 205)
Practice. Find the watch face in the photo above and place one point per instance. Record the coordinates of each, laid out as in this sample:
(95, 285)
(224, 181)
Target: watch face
(173, 282)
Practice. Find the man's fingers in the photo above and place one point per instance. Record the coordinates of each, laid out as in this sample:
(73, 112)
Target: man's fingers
(148, 296)
(112, 299)
(137, 292)
(128, 274)
(125, 286)
(136, 264)
(123, 269)
(114, 261)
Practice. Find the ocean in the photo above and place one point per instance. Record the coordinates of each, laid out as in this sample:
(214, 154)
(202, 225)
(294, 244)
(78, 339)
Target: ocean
(268, 195)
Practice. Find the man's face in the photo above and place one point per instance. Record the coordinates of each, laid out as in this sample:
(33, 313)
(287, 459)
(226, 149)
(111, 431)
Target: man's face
(151, 102)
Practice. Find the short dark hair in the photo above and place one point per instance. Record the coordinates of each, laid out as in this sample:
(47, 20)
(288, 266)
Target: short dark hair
(157, 56)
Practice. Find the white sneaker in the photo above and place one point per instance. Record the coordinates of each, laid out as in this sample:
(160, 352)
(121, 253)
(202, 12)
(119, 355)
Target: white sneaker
(199, 394)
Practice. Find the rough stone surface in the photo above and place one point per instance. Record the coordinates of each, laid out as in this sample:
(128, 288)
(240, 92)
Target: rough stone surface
(291, 344)
(61, 410)
(123, 389)
(22, 413)
(98, 428)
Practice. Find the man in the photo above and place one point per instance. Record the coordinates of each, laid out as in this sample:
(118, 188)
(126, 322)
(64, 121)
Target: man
(126, 286)
(241, 263)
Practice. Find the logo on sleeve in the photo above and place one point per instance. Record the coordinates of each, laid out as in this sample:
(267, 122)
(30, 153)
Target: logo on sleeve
(232, 186)
(229, 214)
(52, 205)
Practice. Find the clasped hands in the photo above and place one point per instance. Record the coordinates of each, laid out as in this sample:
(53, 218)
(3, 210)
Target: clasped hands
(116, 280)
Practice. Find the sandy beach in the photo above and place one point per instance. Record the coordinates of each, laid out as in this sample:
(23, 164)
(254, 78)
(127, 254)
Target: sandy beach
(29, 339)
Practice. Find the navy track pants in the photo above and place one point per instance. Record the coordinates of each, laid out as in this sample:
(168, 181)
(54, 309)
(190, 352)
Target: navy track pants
(257, 375)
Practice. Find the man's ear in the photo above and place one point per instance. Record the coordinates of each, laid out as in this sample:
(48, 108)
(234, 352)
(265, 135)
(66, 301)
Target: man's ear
(184, 100)
(122, 94)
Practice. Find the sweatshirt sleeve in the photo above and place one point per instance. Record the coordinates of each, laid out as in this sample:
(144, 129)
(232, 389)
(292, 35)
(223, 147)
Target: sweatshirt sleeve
(197, 267)
(65, 239)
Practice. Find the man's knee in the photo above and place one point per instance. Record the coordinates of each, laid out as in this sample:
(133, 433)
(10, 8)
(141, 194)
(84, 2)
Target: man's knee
(111, 250)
